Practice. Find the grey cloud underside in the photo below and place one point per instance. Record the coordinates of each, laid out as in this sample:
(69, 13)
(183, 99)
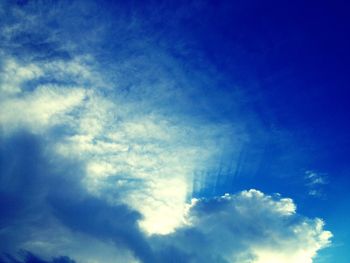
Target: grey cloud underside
(38, 194)
(41, 196)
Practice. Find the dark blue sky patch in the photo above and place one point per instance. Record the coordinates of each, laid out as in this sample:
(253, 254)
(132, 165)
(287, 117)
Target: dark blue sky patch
(28, 257)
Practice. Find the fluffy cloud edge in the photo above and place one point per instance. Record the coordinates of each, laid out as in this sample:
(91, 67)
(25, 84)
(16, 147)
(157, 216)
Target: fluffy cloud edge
(249, 227)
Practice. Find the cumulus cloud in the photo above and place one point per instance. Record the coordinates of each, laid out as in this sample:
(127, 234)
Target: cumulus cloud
(248, 227)
(49, 212)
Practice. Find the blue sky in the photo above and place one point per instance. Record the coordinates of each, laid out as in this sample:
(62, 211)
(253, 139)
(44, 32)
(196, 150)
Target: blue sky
(186, 131)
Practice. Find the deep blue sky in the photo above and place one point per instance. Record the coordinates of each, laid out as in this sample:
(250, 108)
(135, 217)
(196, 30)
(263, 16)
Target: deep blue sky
(293, 60)
(139, 106)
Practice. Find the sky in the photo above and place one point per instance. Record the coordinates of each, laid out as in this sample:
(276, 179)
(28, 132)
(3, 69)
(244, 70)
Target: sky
(174, 131)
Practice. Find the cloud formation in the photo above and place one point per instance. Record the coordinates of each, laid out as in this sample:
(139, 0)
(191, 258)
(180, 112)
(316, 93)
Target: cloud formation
(248, 227)
(100, 157)
(47, 210)
(133, 142)
(50, 213)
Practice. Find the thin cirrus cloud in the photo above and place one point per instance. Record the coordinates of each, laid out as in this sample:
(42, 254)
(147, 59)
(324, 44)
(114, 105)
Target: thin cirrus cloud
(315, 182)
(100, 158)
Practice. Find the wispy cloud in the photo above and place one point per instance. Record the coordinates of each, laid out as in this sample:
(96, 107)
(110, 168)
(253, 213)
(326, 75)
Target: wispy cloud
(315, 182)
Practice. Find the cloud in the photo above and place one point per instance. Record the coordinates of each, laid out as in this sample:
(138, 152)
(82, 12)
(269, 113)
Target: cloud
(315, 182)
(133, 142)
(40, 109)
(104, 141)
(49, 212)
(13, 75)
(44, 209)
(247, 227)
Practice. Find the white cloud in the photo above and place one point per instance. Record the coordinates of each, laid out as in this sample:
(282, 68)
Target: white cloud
(146, 156)
(149, 159)
(127, 121)
(249, 227)
(13, 75)
(39, 109)
(39, 95)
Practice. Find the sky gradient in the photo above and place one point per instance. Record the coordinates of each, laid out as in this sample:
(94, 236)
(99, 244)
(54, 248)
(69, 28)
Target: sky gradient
(174, 131)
